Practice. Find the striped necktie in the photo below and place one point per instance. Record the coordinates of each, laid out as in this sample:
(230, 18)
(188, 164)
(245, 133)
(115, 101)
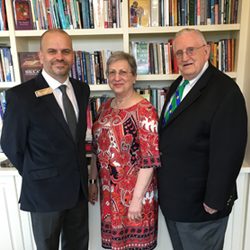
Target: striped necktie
(176, 100)
(69, 111)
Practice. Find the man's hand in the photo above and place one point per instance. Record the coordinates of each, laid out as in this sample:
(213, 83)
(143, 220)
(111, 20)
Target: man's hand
(93, 193)
(209, 209)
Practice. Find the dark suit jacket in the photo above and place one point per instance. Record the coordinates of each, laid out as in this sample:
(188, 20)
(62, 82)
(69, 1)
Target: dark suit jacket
(37, 140)
(202, 148)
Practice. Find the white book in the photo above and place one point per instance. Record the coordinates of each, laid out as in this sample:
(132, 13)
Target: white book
(166, 12)
(154, 13)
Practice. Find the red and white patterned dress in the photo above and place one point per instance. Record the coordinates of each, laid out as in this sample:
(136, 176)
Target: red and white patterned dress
(126, 140)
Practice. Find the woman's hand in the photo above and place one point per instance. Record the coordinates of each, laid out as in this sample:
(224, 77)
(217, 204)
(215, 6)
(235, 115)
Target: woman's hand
(93, 193)
(135, 209)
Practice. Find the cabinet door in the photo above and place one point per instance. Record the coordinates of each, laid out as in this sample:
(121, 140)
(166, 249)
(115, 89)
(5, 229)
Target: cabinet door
(234, 238)
(247, 232)
(25, 220)
(11, 237)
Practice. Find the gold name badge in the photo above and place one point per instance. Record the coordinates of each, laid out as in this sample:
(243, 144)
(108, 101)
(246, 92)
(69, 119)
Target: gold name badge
(43, 92)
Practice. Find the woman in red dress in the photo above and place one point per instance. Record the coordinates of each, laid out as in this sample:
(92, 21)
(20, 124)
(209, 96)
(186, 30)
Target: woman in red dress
(126, 156)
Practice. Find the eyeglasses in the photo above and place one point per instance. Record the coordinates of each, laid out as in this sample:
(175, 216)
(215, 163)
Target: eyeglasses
(121, 73)
(190, 51)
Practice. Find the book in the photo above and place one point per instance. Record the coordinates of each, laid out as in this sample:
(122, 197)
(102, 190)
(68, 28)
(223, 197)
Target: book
(98, 13)
(29, 65)
(154, 13)
(22, 15)
(8, 64)
(139, 13)
(142, 57)
(3, 18)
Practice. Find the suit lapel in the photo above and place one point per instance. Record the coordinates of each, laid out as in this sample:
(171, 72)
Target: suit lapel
(191, 97)
(52, 104)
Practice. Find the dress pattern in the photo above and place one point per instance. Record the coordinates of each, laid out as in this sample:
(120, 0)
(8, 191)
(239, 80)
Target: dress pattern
(126, 140)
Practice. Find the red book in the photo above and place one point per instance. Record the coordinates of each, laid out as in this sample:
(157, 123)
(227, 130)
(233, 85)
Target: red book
(22, 14)
(48, 11)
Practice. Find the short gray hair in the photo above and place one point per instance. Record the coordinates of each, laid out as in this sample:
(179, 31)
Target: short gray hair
(187, 30)
(121, 55)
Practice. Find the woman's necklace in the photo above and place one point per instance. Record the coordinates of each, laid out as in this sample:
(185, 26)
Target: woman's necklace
(123, 102)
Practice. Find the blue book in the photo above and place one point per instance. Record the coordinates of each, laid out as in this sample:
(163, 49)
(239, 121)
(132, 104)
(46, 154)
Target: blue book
(85, 14)
(209, 12)
(84, 68)
(63, 20)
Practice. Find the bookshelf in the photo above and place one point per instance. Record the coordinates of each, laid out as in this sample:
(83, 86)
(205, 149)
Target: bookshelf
(120, 38)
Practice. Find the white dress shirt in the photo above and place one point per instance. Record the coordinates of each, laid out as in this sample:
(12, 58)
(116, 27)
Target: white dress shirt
(189, 86)
(54, 84)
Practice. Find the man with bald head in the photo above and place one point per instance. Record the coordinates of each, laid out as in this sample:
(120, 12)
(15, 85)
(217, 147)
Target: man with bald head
(44, 138)
(202, 134)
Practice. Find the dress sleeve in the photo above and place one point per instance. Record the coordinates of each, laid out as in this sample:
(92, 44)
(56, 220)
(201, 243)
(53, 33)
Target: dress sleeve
(148, 136)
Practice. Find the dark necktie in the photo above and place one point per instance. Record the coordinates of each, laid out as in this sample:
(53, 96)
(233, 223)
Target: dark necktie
(69, 111)
(176, 100)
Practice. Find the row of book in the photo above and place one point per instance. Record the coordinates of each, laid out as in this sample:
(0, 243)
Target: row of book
(66, 14)
(158, 58)
(154, 58)
(6, 64)
(89, 68)
(222, 54)
(182, 12)
(85, 14)
(3, 19)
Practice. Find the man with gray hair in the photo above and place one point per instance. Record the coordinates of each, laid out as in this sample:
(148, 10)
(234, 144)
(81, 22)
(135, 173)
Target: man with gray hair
(203, 134)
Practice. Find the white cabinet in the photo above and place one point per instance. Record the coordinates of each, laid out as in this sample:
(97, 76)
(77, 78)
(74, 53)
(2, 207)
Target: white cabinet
(16, 230)
(247, 219)
(15, 227)
(11, 236)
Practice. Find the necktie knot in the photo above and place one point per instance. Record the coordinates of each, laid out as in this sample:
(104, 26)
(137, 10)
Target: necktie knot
(185, 82)
(63, 89)
(175, 101)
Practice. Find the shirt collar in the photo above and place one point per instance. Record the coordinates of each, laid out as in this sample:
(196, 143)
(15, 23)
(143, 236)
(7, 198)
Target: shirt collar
(193, 81)
(54, 84)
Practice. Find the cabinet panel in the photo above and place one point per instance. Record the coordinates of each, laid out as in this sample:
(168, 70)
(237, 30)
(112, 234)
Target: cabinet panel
(11, 237)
